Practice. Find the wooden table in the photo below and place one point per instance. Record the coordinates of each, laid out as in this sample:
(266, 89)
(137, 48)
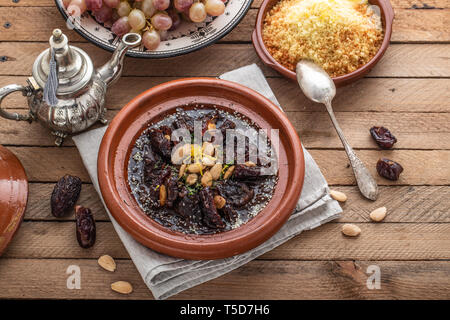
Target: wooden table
(408, 92)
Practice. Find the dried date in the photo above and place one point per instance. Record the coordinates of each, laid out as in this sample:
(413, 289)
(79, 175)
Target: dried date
(383, 137)
(65, 195)
(389, 169)
(85, 227)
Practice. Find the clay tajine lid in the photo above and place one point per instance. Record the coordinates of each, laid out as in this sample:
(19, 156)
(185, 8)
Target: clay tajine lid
(13, 196)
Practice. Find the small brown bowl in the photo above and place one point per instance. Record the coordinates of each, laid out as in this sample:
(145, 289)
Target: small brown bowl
(161, 101)
(387, 18)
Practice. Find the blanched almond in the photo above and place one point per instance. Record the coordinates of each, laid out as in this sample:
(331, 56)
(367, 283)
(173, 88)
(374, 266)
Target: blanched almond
(338, 196)
(162, 195)
(219, 201)
(208, 161)
(191, 179)
(351, 230)
(206, 179)
(182, 170)
(215, 171)
(107, 263)
(250, 164)
(208, 148)
(182, 154)
(379, 214)
(195, 168)
(229, 172)
(122, 287)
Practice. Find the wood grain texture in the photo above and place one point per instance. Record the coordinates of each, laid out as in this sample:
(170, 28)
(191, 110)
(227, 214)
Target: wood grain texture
(367, 95)
(409, 25)
(400, 60)
(396, 4)
(30, 278)
(50, 164)
(408, 92)
(404, 4)
(420, 167)
(420, 204)
(403, 203)
(378, 241)
(38, 207)
(430, 130)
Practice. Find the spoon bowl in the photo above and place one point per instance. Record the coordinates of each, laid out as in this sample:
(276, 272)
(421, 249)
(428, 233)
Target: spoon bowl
(318, 86)
(315, 83)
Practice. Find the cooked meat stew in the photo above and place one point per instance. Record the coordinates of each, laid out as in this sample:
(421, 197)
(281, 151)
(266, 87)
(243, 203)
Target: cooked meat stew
(195, 187)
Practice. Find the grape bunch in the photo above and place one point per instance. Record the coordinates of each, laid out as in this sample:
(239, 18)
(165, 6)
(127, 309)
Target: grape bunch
(150, 18)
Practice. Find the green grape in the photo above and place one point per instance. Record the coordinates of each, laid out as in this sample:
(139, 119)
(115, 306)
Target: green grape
(197, 12)
(137, 20)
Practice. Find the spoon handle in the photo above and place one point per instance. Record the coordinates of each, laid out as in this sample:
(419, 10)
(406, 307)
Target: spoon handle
(366, 182)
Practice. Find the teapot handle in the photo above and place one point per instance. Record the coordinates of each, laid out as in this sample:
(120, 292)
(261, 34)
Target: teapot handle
(14, 115)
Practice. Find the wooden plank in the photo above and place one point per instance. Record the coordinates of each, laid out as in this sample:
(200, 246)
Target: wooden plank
(396, 4)
(409, 25)
(431, 130)
(420, 204)
(382, 241)
(406, 4)
(403, 203)
(260, 280)
(50, 164)
(420, 167)
(400, 60)
(379, 241)
(372, 94)
(38, 207)
(25, 134)
(27, 3)
(366, 95)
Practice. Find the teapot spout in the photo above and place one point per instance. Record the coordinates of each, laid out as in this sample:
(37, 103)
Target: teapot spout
(112, 70)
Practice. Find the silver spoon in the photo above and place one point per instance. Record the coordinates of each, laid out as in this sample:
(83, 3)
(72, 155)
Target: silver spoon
(319, 87)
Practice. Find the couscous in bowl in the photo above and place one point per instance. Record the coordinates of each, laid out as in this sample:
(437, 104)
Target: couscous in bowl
(387, 16)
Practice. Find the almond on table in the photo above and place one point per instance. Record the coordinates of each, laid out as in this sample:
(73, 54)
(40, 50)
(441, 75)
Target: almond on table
(379, 214)
(107, 262)
(122, 287)
(351, 230)
(338, 196)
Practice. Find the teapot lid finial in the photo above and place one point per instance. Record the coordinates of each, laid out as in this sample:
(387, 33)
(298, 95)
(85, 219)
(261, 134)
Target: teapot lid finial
(57, 33)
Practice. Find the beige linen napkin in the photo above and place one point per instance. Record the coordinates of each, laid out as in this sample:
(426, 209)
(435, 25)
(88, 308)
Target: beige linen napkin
(166, 276)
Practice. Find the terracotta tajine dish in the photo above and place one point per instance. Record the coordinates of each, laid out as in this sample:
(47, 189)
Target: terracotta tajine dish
(155, 104)
(387, 18)
(13, 196)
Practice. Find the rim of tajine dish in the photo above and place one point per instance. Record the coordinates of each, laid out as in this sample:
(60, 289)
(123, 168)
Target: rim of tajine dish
(162, 100)
(387, 18)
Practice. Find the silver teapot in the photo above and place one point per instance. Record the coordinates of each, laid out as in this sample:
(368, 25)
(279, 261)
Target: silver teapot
(66, 93)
